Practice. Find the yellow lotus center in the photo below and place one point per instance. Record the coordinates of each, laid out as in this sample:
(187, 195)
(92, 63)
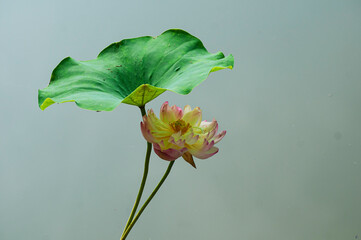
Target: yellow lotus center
(180, 125)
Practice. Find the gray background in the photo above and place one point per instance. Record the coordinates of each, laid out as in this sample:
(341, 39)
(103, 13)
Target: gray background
(289, 167)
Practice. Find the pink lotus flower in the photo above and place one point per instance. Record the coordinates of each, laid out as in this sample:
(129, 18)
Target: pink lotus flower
(181, 133)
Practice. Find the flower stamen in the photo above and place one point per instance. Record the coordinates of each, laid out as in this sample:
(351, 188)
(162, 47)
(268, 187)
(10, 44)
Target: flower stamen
(180, 125)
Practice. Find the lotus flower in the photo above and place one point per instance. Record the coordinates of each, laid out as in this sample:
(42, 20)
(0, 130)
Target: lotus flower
(181, 133)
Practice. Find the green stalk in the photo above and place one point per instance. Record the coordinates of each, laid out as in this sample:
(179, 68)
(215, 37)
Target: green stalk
(145, 174)
(125, 234)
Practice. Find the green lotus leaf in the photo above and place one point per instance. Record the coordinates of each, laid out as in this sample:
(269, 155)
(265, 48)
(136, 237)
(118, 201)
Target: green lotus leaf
(133, 71)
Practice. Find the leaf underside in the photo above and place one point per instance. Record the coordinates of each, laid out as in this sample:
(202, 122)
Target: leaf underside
(133, 71)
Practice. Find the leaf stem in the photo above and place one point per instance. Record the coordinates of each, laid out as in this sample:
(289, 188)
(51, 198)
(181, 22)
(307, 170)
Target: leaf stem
(125, 234)
(144, 179)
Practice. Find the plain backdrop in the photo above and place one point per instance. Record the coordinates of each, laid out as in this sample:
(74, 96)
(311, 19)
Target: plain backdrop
(290, 164)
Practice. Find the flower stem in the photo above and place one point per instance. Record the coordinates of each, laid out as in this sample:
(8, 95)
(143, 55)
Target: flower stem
(145, 174)
(125, 234)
